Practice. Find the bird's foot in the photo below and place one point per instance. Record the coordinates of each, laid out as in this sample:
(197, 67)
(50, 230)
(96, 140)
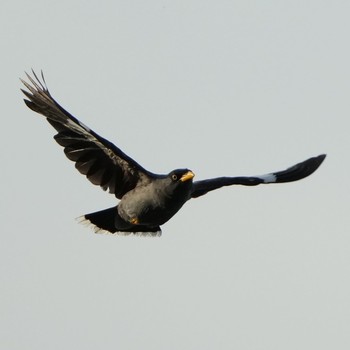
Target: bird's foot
(134, 221)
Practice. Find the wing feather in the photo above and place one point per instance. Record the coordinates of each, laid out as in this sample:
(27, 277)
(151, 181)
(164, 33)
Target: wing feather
(293, 173)
(99, 160)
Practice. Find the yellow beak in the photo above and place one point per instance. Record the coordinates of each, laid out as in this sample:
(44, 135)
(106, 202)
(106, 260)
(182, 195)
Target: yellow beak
(188, 176)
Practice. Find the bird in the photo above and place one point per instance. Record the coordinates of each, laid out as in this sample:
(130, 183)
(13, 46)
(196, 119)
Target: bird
(146, 200)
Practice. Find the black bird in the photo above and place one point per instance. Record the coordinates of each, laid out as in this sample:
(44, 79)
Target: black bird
(147, 200)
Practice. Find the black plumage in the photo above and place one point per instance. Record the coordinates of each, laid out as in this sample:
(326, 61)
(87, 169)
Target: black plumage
(147, 200)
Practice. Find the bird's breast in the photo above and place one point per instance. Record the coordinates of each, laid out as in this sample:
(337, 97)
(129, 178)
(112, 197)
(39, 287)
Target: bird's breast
(146, 206)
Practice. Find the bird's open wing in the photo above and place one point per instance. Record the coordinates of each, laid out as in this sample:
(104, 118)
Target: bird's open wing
(294, 173)
(103, 163)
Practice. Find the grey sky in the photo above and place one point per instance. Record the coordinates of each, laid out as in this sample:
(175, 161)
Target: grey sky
(220, 87)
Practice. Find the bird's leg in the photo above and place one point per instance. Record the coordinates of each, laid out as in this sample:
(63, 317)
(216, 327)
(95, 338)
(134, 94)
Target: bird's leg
(134, 221)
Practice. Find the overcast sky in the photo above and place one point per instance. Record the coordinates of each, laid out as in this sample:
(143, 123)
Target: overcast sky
(220, 87)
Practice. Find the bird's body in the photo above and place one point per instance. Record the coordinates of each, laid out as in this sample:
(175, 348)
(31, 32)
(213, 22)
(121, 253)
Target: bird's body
(156, 202)
(147, 200)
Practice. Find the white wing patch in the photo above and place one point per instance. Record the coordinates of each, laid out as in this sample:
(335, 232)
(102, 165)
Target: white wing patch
(268, 178)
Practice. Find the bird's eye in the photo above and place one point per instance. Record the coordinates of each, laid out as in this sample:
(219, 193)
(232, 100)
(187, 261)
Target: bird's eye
(174, 177)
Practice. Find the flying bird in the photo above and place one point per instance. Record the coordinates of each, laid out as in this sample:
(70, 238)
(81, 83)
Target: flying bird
(147, 200)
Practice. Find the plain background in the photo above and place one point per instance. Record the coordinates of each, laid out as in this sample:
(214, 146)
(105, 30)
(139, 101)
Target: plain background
(220, 87)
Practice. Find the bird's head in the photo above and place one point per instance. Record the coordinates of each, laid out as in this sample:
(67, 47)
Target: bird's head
(181, 176)
(178, 183)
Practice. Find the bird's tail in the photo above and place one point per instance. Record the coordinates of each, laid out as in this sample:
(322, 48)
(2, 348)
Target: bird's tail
(109, 221)
(101, 220)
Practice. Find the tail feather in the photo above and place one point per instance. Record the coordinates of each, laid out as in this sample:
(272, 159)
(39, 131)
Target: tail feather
(109, 221)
